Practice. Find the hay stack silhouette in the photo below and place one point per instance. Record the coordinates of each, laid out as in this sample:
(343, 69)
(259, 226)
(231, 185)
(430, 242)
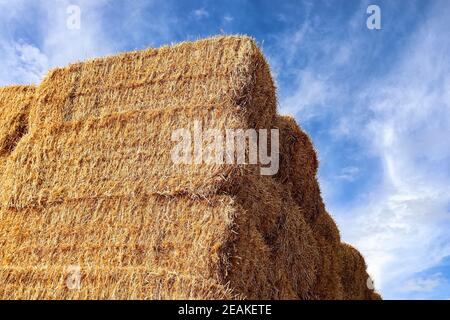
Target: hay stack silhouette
(88, 181)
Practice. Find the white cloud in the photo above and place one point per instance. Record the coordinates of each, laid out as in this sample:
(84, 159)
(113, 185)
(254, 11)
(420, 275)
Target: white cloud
(312, 93)
(22, 63)
(201, 13)
(25, 62)
(32, 62)
(348, 173)
(228, 18)
(292, 42)
(423, 284)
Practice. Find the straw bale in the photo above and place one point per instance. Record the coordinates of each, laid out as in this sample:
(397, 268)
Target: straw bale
(328, 284)
(122, 154)
(354, 275)
(92, 183)
(335, 277)
(298, 171)
(116, 283)
(298, 167)
(227, 73)
(254, 232)
(285, 269)
(146, 231)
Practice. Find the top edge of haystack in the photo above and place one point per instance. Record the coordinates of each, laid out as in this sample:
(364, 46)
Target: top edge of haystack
(226, 40)
(17, 88)
(222, 71)
(15, 93)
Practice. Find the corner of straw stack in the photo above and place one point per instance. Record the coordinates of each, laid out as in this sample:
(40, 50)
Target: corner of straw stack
(15, 104)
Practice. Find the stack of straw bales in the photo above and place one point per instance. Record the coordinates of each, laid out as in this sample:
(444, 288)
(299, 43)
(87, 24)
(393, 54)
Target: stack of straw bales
(88, 180)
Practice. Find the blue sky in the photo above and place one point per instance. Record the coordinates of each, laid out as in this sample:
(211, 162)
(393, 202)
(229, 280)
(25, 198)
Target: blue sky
(376, 103)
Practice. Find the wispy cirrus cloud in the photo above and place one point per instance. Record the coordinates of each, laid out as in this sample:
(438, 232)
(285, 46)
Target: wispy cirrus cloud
(423, 284)
(402, 224)
(311, 94)
(201, 13)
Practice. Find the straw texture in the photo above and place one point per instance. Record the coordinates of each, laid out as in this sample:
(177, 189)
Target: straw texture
(88, 180)
(15, 103)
